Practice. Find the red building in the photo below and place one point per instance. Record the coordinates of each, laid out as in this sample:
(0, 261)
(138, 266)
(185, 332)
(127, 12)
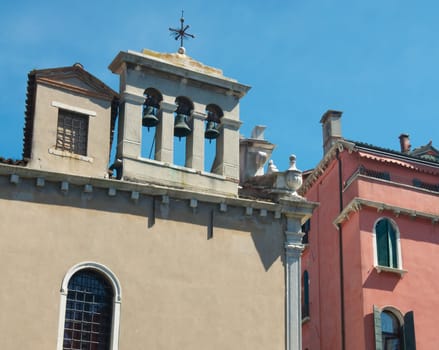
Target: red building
(369, 274)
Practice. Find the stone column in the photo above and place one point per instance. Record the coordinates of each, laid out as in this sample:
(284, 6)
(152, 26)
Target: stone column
(130, 125)
(164, 139)
(293, 251)
(195, 143)
(227, 149)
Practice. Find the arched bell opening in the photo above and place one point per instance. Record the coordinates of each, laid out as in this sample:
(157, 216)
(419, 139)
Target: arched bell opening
(213, 119)
(182, 128)
(150, 120)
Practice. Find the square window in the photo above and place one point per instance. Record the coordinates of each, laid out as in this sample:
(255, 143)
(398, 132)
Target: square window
(72, 132)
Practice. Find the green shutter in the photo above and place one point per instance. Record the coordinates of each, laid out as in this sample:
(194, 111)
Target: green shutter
(409, 331)
(382, 243)
(377, 323)
(392, 242)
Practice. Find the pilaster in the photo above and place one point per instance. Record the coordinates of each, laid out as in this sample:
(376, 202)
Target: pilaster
(195, 143)
(164, 149)
(130, 125)
(293, 251)
(227, 149)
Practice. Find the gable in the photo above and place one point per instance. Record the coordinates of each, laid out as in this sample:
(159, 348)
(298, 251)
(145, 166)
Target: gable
(74, 79)
(427, 152)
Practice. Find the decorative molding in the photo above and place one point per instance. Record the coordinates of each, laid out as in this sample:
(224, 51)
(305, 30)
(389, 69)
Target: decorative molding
(116, 301)
(14, 179)
(64, 186)
(168, 107)
(230, 123)
(132, 98)
(357, 204)
(74, 108)
(135, 196)
(223, 207)
(40, 182)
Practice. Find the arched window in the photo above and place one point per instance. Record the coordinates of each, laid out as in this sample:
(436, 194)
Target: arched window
(90, 308)
(305, 294)
(182, 129)
(393, 330)
(212, 131)
(150, 120)
(387, 244)
(390, 331)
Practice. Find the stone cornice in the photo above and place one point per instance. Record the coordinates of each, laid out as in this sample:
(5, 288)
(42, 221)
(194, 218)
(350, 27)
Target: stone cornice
(206, 76)
(318, 171)
(113, 185)
(357, 204)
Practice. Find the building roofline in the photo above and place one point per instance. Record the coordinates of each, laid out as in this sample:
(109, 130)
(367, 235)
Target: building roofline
(355, 146)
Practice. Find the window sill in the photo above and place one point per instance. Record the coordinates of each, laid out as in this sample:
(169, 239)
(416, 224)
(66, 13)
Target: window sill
(60, 153)
(306, 319)
(398, 271)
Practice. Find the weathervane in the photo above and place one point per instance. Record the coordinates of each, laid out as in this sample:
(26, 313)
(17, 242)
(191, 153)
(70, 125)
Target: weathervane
(181, 33)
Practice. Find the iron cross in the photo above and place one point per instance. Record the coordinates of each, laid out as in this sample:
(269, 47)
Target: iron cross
(181, 33)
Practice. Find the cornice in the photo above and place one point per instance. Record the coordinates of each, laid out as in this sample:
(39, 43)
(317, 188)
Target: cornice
(356, 204)
(318, 171)
(16, 173)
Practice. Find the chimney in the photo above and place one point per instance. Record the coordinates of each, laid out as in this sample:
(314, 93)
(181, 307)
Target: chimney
(404, 140)
(331, 127)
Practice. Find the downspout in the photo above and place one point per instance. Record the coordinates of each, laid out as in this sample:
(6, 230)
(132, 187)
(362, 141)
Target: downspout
(340, 240)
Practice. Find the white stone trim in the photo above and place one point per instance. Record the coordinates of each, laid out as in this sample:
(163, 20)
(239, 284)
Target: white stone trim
(74, 108)
(57, 152)
(116, 301)
(397, 269)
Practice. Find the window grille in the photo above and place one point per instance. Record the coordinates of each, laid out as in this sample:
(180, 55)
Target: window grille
(373, 173)
(89, 312)
(72, 132)
(426, 185)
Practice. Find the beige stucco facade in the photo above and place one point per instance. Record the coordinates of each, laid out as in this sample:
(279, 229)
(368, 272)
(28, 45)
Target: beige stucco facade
(210, 275)
(180, 289)
(195, 260)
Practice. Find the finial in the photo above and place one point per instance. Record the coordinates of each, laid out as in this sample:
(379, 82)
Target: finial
(272, 168)
(181, 34)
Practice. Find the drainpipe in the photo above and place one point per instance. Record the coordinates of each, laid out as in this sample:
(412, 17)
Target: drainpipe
(340, 240)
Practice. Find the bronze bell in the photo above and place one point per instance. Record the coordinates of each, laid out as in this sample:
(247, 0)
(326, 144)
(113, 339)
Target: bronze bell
(181, 128)
(211, 130)
(149, 118)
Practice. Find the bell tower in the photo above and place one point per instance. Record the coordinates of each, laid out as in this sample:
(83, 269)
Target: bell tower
(175, 97)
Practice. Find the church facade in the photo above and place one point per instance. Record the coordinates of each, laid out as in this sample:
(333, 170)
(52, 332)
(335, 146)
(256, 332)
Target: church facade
(146, 253)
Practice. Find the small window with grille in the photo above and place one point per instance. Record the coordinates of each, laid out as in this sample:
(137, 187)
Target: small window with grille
(72, 132)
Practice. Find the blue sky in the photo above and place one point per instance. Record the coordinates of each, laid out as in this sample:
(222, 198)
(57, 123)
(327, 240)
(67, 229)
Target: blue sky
(375, 60)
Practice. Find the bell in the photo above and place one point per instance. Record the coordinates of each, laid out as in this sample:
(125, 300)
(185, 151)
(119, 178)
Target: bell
(211, 131)
(149, 118)
(181, 129)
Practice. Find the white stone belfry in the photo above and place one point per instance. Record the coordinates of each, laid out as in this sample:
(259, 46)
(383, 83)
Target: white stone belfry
(174, 77)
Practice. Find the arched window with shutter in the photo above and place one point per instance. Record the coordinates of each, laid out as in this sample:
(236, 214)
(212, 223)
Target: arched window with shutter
(387, 244)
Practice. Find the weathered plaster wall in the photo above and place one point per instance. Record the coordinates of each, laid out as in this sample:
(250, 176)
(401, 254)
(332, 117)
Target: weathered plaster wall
(180, 289)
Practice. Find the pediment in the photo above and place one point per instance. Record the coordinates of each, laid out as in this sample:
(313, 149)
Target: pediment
(75, 79)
